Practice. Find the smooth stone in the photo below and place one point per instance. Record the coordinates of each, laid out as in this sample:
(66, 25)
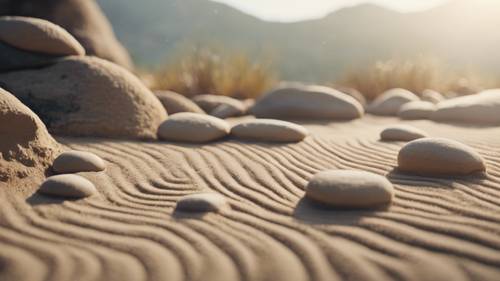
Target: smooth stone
(297, 101)
(224, 111)
(480, 109)
(39, 36)
(193, 127)
(402, 133)
(439, 156)
(415, 110)
(389, 103)
(432, 96)
(350, 189)
(15, 59)
(269, 130)
(78, 161)
(88, 96)
(175, 103)
(210, 102)
(202, 203)
(353, 93)
(69, 185)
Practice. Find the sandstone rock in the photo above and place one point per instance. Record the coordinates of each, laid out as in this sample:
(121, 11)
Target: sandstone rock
(349, 189)
(26, 148)
(309, 102)
(78, 161)
(175, 103)
(481, 109)
(39, 36)
(81, 18)
(402, 133)
(415, 110)
(202, 202)
(269, 130)
(391, 101)
(193, 127)
(432, 96)
(87, 96)
(439, 156)
(73, 186)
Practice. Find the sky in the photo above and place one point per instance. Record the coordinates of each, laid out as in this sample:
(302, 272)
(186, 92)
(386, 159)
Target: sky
(295, 10)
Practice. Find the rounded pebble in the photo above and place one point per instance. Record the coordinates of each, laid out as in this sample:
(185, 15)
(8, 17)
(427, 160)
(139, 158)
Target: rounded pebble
(202, 202)
(402, 133)
(193, 127)
(78, 161)
(349, 189)
(416, 110)
(432, 96)
(175, 103)
(439, 156)
(73, 186)
(389, 103)
(269, 130)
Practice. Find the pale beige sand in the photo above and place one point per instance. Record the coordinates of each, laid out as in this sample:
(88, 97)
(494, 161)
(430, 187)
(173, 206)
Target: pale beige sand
(436, 228)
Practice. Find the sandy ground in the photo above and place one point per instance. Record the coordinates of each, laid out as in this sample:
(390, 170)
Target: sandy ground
(436, 229)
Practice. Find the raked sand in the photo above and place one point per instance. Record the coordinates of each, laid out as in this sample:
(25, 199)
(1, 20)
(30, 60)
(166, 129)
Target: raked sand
(435, 229)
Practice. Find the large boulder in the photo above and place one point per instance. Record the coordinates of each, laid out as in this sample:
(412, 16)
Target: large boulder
(39, 36)
(82, 18)
(480, 109)
(389, 103)
(295, 101)
(26, 148)
(88, 96)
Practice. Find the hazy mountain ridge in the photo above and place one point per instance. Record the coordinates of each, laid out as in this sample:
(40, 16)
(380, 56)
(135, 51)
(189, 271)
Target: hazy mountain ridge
(462, 32)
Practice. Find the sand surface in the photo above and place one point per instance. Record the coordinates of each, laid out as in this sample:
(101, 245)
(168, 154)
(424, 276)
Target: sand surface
(436, 228)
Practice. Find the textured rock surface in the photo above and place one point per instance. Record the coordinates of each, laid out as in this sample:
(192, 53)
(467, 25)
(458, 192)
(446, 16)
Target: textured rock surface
(73, 186)
(78, 161)
(269, 130)
(481, 109)
(349, 189)
(26, 148)
(175, 103)
(39, 36)
(87, 96)
(81, 18)
(391, 101)
(193, 127)
(309, 102)
(439, 156)
(402, 133)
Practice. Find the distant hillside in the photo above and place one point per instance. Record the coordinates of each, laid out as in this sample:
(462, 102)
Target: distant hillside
(462, 32)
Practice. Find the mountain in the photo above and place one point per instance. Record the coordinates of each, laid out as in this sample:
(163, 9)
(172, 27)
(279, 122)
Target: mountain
(462, 32)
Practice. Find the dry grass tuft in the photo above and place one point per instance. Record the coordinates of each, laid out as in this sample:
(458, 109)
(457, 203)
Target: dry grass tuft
(211, 71)
(415, 75)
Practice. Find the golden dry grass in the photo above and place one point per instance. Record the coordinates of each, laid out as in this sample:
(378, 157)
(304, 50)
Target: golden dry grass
(212, 71)
(415, 75)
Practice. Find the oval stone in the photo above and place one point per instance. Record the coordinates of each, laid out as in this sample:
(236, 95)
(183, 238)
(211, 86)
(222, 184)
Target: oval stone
(269, 130)
(210, 102)
(481, 109)
(193, 127)
(402, 133)
(78, 161)
(415, 110)
(296, 101)
(349, 189)
(38, 35)
(391, 101)
(70, 185)
(432, 96)
(202, 202)
(175, 103)
(230, 110)
(439, 156)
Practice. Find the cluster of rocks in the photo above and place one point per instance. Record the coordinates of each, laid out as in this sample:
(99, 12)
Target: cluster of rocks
(67, 183)
(45, 68)
(201, 128)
